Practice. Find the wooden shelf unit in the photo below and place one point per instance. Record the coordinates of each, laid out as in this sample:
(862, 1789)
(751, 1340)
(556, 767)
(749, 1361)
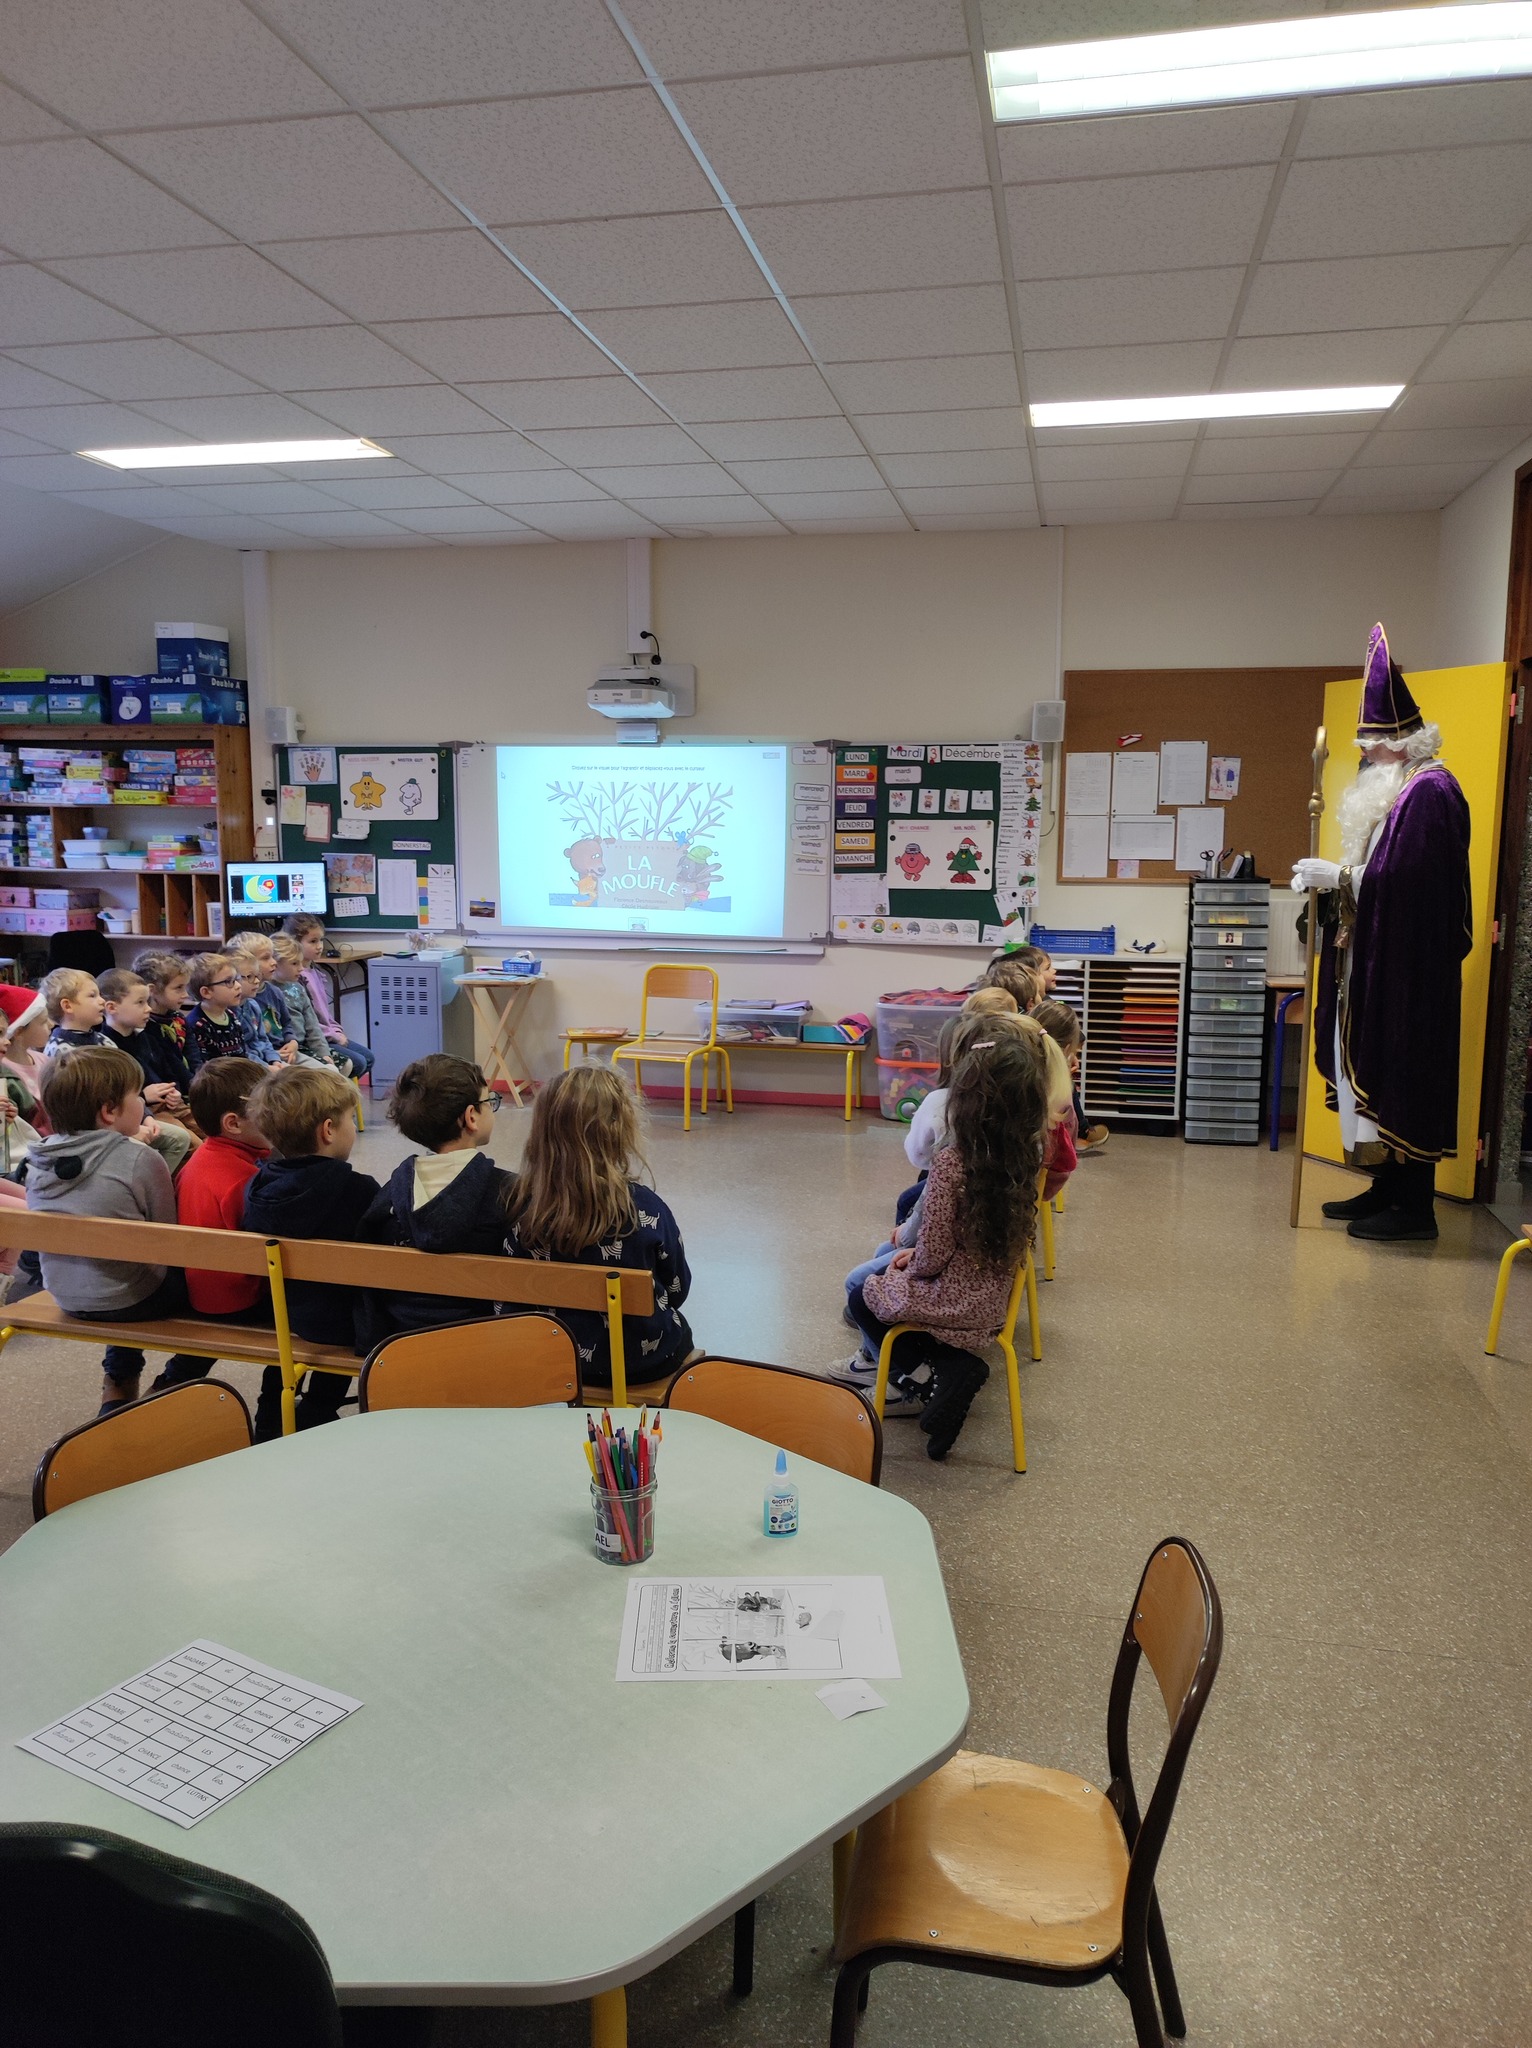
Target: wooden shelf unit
(1132, 1009)
(165, 904)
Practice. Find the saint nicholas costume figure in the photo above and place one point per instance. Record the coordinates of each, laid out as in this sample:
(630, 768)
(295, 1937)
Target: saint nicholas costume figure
(1397, 924)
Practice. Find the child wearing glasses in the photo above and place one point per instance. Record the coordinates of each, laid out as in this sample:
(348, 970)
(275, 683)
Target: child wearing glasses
(449, 1198)
(213, 1032)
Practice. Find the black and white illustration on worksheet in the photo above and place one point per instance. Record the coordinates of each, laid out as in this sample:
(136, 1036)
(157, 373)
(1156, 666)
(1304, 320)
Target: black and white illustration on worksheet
(757, 1628)
(184, 1736)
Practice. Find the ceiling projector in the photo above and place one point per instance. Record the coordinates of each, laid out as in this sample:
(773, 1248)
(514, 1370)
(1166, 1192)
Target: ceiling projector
(644, 688)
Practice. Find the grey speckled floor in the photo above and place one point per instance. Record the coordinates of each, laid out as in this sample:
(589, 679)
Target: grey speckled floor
(1352, 1858)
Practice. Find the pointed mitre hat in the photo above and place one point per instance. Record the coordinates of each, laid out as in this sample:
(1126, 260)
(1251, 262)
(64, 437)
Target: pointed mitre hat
(1389, 712)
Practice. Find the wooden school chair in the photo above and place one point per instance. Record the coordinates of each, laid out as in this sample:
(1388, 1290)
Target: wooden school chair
(162, 1432)
(666, 982)
(800, 1413)
(109, 1940)
(1006, 1869)
(506, 1362)
(1502, 1283)
(1023, 1286)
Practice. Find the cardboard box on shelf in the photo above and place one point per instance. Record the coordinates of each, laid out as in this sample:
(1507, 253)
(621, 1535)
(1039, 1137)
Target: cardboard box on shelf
(185, 648)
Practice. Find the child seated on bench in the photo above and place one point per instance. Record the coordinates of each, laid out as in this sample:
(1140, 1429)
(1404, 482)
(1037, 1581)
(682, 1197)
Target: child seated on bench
(91, 1167)
(165, 974)
(308, 930)
(128, 1010)
(573, 1200)
(307, 1188)
(1063, 1027)
(452, 1198)
(213, 1031)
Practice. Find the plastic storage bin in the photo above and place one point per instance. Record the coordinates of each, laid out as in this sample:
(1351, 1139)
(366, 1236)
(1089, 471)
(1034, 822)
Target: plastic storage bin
(910, 1023)
(1222, 1134)
(738, 1026)
(1233, 1005)
(1229, 916)
(1228, 983)
(1061, 939)
(1228, 1070)
(903, 1086)
(1198, 1089)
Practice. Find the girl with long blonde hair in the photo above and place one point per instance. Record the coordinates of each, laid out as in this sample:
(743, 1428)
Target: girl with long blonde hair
(575, 1200)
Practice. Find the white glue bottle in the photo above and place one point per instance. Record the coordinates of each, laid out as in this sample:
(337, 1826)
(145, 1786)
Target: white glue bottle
(781, 1513)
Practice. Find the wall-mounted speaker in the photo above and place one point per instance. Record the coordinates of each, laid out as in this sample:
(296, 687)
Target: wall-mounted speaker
(1048, 721)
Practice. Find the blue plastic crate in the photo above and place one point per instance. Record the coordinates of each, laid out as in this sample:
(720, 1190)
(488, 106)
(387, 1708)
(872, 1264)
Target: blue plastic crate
(1061, 940)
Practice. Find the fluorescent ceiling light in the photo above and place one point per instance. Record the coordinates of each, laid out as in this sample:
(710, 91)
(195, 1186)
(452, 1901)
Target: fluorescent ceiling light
(219, 455)
(1215, 405)
(1262, 61)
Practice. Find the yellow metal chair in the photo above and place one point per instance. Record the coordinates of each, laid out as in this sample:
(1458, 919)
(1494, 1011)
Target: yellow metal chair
(668, 982)
(1503, 1281)
(1024, 1285)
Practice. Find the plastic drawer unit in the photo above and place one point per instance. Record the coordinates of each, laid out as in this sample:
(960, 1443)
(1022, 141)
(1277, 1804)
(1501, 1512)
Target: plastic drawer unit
(1226, 1012)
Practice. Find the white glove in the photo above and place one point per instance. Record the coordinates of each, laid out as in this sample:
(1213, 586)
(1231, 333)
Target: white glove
(1315, 874)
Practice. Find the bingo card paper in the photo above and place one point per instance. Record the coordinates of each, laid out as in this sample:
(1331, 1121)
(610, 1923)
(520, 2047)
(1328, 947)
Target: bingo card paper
(184, 1736)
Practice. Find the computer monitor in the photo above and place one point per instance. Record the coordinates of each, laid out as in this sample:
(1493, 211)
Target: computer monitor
(264, 888)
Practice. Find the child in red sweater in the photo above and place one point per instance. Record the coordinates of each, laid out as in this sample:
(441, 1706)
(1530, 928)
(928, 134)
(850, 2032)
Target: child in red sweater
(210, 1188)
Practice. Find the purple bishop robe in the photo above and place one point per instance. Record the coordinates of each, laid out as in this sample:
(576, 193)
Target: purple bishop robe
(1414, 929)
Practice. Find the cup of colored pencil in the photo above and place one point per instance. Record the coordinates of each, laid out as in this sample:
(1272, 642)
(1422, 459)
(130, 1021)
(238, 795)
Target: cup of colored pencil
(622, 1480)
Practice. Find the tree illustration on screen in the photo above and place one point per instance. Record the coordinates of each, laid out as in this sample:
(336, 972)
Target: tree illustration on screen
(644, 841)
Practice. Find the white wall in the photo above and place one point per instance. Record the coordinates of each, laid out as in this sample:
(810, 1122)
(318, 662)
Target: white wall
(1474, 567)
(104, 624)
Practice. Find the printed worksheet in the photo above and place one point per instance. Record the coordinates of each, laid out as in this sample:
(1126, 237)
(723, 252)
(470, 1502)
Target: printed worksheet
(757, 1628)
(184, 1736)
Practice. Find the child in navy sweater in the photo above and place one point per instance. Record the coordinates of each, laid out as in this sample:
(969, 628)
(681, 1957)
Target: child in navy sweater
(212, 1029)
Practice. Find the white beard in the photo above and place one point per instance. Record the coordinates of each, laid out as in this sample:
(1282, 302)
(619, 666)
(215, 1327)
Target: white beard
(1366, 804)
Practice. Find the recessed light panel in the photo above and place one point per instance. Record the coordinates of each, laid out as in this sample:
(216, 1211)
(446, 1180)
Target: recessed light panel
(227, 454)
(1216, 405)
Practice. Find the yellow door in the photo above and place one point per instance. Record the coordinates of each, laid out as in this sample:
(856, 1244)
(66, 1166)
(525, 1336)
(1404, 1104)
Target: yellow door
(1471, 705)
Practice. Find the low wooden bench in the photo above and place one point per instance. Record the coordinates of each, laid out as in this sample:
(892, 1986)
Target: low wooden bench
(519, 1283)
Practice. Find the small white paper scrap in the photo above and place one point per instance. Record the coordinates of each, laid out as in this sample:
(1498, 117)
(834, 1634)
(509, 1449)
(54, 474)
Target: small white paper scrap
(188, 1733)
(848, 1696)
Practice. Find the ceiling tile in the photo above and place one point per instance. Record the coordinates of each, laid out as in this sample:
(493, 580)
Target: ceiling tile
(408, 277)
(1264, 508)
(1150, 306)
(974, 522)
(844, 133)
(336, 524)
(837, 505)
(1370, 205)
(387, 55)
(59, 472)
(1173, 366)
(18, 444)
(466, 454)
(828, 473)
(745, 394)
(1199, 139)
(738, 334)
(519, 536)
(605, 521)
(713, 511)
(397, 538)
(869, 245)
(197, 291)
(1389, 355)
(384, 494)
(667, 480)
(20, 121)
(1436, 482)
(666, 259)
(1270, 454)
(894, 524)
(35, 307)
(404, 409)
(609, 401)
(230, 531)
(1501, 401)
(142, 501)
(1438, 444)
(72, 199)
(1434, 116)
(263, 416)
(270, 499)
(531, 487)
(1250, 489)
(881, 326)
(136, 369)
(583, 446)
(1124, 498)
(960, 498)
(1490, 348)
(458, 519)
(575, 157)
(20, 385)
(511, 345)
(1178, 220)
(123, 63)
(926, 386)
(971, 465)
(80, 426)
(368, 469)
(1365, 291)
(708, 38)
(271, 180)
(1508, 297)
(312, 358)
(1136, 459)
(901, 433)
(776, 440)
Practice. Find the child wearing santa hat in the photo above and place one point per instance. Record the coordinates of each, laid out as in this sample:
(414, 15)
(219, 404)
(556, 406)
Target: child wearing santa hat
(24, 1029)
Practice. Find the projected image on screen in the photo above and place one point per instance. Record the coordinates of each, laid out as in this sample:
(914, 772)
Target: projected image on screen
(612, 839)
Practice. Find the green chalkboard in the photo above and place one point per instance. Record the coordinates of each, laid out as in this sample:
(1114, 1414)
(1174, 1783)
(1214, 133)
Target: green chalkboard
(406, 799)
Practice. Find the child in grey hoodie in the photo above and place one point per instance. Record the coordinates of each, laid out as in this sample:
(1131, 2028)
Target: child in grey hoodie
(91, 1167)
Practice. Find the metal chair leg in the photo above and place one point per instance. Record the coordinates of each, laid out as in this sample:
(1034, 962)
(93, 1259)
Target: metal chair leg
(1045, 1231)
(1164, 1975)
(1013, 1395)
(850, 1998)
(1503, 1281)
(1137, 1986)
(744, 1951)
(1034, 1327)
(609, 2019)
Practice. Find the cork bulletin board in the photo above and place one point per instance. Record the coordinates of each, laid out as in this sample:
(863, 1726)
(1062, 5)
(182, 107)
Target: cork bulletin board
(1265, 718)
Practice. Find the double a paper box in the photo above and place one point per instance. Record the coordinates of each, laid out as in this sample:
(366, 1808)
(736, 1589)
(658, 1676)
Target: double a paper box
(184, 648)
(24, 701)
(77, 700)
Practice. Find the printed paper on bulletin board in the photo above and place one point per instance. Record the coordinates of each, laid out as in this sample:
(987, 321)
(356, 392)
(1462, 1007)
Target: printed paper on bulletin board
(935, 843)
(395, 809)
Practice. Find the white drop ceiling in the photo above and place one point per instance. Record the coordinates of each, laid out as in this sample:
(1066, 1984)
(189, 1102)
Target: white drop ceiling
(700, 267)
